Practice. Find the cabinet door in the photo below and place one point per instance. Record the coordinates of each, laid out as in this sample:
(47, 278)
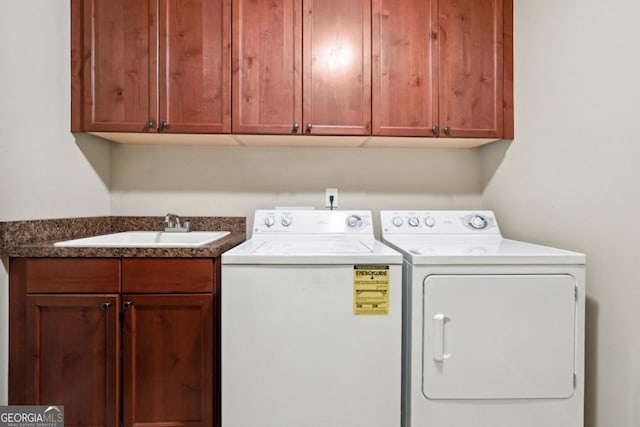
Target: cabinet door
(167, 360)
(119, 54)
(337, 67)
(267, 56)
(405, 76)
(471, 68)
(194, 66)
(74, 342)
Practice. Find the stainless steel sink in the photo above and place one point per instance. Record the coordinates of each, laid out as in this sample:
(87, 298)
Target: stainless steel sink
(146, 239)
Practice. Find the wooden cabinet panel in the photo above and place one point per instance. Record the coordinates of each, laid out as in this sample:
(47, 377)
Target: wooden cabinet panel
(167, 360)
(72, 275)
(65, 348)
(74, 342)
(301, 63)
(266, 66)
(507, 65)
(405, 67)
(337, 67)
(471, 67)
(162, 275)
(119, 52)
(440, 67)
(194, 66)
(443, 68)
(152, 65)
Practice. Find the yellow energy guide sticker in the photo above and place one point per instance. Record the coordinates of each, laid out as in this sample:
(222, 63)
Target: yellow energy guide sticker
(370, 290)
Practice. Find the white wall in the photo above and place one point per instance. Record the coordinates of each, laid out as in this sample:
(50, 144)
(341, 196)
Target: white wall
(234, 181)
(44, 171)
(570, 178)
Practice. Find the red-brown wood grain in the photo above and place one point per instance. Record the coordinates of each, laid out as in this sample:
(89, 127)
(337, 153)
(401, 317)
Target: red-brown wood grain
(17, 331)
(119, 56)
(471, 68)
(262, 67)
(153, 62)
(405, 67)
(74, 346)
(194, 66)
(64, 347)
(72, 275)
(162, 275)
(77, 102)
(167, 360)
(507, 50)
(267, 57)
(337, 67)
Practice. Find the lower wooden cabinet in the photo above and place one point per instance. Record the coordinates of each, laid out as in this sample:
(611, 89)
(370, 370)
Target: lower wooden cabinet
(167, 344)
(74, 342)
(143, 358)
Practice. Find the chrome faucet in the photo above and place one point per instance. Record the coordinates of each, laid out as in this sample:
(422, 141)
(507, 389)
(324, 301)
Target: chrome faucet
(172, 224)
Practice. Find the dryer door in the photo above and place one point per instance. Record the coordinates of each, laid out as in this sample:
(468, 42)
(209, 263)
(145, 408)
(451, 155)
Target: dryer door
(498, 336)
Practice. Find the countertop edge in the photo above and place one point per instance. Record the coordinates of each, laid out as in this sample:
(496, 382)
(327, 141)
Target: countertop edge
(22, 238)
(48, 250)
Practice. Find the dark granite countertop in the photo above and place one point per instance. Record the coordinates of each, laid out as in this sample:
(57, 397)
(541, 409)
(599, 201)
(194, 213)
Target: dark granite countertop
(36, 238)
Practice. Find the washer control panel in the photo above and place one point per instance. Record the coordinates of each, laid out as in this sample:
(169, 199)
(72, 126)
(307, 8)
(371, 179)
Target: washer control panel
(438, 222)
(312, 222)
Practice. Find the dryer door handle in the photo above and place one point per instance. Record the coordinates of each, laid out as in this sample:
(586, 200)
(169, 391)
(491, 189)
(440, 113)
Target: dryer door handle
(438, 338)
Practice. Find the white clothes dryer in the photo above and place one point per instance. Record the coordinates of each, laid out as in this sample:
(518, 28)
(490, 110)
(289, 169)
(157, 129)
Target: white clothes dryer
(493, 329)
(311, 323)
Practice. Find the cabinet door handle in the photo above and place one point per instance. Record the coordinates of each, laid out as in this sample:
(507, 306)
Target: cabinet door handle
(447, 130)
(434, 129)
(127, 304)
(163, 125)
(105, 305)
(309, 127)
(295, 128)
(150, 124)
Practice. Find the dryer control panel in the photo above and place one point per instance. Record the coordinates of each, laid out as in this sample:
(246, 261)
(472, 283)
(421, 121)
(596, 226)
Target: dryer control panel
(438, 222)
(312, 222)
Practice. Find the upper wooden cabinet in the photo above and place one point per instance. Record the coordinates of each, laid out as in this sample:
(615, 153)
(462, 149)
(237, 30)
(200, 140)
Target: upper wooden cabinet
(423, 68)
(443, 68)
(302, 67)
(153, 65)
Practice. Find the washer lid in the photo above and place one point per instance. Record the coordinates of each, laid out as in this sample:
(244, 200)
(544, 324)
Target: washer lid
(318, 248)
(312, 250)
(464, 249)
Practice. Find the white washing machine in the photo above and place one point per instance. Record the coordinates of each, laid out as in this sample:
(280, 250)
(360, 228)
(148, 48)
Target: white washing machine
(493, 329)
(311, 324)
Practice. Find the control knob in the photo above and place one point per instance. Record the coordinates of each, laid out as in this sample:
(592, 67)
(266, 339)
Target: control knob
(429, 221)
(413, 221)
(286, 221)
(352, 220)
(478, 222)
(269, 221)
(397, 221)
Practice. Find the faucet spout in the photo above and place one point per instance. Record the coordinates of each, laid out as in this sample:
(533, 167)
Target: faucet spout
(172, 224)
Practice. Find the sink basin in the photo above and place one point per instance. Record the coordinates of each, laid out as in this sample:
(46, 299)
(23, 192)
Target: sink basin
(146, 239)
